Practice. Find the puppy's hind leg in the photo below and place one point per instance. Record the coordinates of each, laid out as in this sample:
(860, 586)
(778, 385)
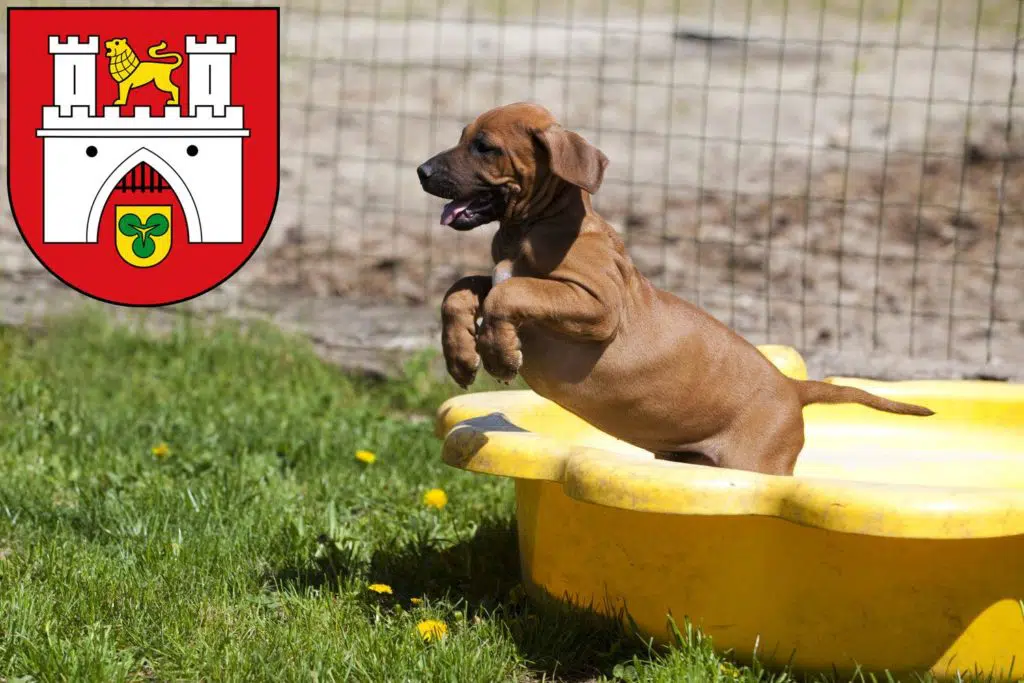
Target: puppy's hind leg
(769, 445)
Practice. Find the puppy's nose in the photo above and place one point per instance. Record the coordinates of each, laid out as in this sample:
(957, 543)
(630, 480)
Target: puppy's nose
(424, 171)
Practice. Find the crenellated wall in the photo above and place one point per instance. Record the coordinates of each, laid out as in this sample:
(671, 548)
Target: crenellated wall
(229, 120)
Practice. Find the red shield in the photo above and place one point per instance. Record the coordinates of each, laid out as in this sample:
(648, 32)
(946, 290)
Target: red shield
(144, 145)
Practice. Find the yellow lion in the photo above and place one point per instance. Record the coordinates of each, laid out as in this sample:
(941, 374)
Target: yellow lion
(130, 72)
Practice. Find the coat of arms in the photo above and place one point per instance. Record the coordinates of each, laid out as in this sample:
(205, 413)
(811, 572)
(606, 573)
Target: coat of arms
(143, 145)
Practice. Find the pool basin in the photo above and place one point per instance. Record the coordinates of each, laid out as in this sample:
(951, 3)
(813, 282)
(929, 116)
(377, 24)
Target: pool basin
(898, 544)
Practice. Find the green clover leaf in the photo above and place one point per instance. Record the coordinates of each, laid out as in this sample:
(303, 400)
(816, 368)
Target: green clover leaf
(129, 225)
(143, 245)
(157, 224)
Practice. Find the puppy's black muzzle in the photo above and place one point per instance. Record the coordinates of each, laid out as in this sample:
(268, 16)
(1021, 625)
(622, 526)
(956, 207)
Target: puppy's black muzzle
(435, 178)
(425, 171)
(449, 175)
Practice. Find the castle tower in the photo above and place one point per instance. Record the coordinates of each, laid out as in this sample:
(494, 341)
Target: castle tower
(209, 73)
(74, 73)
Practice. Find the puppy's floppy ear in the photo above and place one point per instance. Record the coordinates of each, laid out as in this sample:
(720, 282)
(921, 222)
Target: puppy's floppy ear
(573, 159)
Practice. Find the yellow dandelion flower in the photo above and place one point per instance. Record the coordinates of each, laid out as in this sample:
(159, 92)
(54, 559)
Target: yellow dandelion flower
(366, 457)
(416, 601)
(161, 450)
(435, 498)
(729, 670)
(381, 588)
(432, 629)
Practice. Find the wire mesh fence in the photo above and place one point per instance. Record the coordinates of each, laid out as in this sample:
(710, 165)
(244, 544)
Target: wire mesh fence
(823, 173)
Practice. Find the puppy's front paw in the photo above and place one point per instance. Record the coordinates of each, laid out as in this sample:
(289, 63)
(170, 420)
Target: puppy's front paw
(460, 356)
(499, 349)
(462, 366)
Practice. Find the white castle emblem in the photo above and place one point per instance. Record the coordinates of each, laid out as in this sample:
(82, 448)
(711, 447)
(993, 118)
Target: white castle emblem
(86, 155)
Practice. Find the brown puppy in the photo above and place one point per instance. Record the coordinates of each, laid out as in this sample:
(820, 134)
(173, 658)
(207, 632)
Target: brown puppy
(567, 310)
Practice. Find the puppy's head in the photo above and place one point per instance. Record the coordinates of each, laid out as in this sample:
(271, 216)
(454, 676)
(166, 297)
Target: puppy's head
(503, 159)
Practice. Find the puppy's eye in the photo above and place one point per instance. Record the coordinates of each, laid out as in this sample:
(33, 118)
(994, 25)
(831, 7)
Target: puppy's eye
(481, 147)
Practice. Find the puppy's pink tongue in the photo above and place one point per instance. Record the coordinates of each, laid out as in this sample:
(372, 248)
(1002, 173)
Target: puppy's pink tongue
(452, 210)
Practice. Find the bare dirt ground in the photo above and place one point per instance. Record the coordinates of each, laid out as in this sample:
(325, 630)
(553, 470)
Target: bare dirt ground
(849, 182)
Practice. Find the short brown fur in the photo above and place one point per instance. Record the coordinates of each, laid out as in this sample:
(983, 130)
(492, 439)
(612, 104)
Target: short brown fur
(587, 330)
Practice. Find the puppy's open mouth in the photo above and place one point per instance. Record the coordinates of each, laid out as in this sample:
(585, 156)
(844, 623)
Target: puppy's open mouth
(468, 213)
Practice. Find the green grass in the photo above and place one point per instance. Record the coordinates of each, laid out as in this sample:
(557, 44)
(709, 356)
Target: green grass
(245, 552)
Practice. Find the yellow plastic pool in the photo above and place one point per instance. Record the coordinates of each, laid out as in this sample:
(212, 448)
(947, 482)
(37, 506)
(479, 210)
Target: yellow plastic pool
(897, 545)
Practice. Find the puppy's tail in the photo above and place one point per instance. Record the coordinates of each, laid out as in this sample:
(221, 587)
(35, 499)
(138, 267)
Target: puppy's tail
(822, 392)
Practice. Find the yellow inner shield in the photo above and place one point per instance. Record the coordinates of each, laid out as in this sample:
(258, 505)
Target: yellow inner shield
(143, 234)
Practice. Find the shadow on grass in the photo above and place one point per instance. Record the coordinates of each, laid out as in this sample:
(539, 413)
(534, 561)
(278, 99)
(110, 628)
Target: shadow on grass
(480, 576)
(330, 564)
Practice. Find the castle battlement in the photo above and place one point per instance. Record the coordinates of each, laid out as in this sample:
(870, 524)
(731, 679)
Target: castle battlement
(207, 120)
(74, 46)
(209, 45)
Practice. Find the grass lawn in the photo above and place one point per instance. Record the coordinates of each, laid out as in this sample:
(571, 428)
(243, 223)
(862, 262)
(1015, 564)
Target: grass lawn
(243, 550)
